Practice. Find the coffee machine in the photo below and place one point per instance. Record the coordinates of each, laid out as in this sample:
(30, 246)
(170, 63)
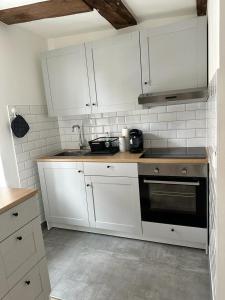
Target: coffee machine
(135, 141)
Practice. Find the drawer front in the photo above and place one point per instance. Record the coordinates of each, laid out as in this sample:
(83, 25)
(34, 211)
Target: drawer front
(111, 169)
(3, 281)
(21, 251)
(175, 234)
(17, 217)
(34, 286)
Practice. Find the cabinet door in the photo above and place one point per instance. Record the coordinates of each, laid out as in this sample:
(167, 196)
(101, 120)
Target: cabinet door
(116, 203)
(34, 286)
(3, 281)
(116, 76)
(175, 56)
(66, 81)
(64, 193)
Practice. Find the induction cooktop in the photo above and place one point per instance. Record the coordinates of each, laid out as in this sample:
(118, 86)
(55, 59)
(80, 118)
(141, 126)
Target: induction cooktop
(178, 152)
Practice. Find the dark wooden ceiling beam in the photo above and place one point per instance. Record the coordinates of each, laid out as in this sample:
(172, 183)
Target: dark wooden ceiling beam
(43, 10)
(113, 11)
(201, 7)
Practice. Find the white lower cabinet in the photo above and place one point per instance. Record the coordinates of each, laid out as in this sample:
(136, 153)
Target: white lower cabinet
(34, 286)
(174, 234)
(21, 251)
(64, 193)
(23, 267)
(114, 203)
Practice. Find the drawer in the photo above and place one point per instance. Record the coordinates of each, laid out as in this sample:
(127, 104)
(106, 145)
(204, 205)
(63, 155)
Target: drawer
(17, 217)
(111, 169)
(174, 234)
(34, 286)
(3, 281)
(21, 251)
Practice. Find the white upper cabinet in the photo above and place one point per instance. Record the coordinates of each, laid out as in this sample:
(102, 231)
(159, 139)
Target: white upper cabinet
(116, 72)
(175, 56)
(66, 81)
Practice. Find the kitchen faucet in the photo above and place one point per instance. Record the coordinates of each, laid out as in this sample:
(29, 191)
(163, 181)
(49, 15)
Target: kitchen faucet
(81, 137)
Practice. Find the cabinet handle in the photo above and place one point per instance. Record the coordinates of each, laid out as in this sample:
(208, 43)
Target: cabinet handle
(184, 171)
(79, 171)
(27, 282)
(88, 185)
(146, 82)
(16, 214)
(87, 104)
(172, 229)
(156, 170)
(108, 167)
(93, 104)
(19, 238)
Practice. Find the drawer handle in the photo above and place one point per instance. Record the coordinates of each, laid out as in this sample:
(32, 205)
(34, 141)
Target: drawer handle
(19, 238)
(16, 214)
(88, 185)
(79, 171)
(108, 167)
(27, 282)
(172, 229)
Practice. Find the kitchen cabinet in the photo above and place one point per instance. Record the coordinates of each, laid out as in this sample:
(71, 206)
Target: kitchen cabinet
(64, 193)
(113, 197)
(174, 56)
(66, 81)
(35, 285)
(116, 204)
(23, 266)
(115, 79)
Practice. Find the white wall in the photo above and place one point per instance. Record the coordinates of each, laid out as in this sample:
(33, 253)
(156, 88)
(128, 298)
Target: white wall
(20, 83)
(213, 36)
(56, 43)
(221, 160)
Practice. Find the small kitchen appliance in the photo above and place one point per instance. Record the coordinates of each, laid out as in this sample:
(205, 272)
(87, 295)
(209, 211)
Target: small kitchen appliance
(136, 141)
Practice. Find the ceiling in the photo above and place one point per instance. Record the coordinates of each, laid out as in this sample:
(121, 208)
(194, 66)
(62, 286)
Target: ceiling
(92, 21)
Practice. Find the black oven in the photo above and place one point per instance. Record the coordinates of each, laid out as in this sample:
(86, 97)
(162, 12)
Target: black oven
(174, 194)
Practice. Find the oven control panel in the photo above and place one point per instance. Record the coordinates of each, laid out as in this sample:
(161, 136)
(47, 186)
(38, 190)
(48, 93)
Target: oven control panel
(184, 170)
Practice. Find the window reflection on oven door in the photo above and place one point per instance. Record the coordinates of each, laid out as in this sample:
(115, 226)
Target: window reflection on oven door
(173, 200)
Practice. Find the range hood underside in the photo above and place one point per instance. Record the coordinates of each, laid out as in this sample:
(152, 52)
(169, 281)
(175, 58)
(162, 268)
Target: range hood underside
(174, 97)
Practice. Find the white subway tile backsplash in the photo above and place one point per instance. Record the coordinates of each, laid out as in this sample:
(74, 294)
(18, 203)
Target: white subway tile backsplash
(167, 134)
(186, 115)
(157, 109)
(196, 142)
(177, 125)
(196, 105)
(149, 118)
(186, 133)
(178, 107)
(158, 126)
(133, 119)
(196, 124)
(172, 125)
(42, 138)
(200, 114)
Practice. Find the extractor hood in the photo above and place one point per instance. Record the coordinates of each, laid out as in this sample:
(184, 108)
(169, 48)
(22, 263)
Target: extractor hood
(173, 97)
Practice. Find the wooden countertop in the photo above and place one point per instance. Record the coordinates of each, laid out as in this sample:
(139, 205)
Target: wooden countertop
(10, 197)
(125, 157)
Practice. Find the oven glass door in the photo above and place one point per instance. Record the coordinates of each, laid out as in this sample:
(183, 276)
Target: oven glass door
(173, 200)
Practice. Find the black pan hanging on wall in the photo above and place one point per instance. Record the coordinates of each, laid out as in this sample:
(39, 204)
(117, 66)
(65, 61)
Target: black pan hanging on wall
(19, 126)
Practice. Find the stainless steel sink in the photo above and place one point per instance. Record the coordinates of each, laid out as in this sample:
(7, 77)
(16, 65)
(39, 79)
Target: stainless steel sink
(73, 153)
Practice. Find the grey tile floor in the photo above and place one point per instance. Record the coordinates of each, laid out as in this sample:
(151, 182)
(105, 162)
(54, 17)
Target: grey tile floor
(86, 266)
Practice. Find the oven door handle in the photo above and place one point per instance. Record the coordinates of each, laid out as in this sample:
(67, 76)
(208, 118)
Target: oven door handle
(172, 182)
